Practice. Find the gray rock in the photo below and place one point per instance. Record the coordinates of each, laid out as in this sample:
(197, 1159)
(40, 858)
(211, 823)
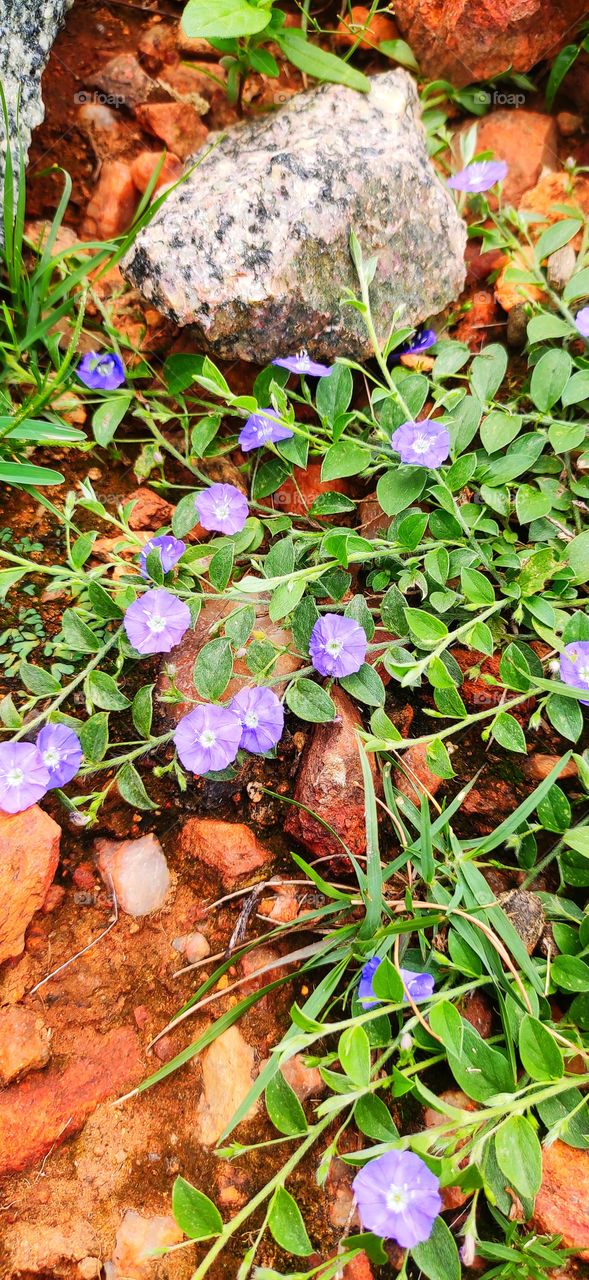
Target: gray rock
(253, 248)
(27, 31)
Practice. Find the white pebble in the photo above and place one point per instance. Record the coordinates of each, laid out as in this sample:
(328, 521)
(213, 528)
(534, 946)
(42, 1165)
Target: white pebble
(138, 871)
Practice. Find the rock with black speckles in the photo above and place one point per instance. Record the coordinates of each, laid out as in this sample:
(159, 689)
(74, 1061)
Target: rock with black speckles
(27, 31)
(253, 248)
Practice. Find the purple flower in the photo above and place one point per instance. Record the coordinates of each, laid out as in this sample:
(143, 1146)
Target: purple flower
(419, 986)
(263, 427)
(582, 322)
(101, 371)
(207, 739)
(423, 340)
(60, 752)
(262, 718)
(170, 549)
(24, 778)
(479, 176)
(304, 364)
(574, 665)
(422, 444)
(223, 508)
(156, 621)
(398, 1198)
(337, 646)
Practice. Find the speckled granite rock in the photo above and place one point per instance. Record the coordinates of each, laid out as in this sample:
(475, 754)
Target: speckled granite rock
(27, 31)
(253, 248)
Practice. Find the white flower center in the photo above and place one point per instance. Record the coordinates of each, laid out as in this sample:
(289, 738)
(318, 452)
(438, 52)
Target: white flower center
(208, 738)
(421, 444)
(51, 757)
(334, 647)
(397, 1199)
(156, 623)
(264, 429)
(584, 671)
(221, 508)
(15, 777)
(251, 720)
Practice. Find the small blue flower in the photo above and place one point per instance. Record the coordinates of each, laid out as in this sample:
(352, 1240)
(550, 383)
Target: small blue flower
(480, 176)
(263, 427)
(101, 371)
(582, 322)
(171, 549)
(422, 341)
(419, 986)
(422, 444)
(304, 364)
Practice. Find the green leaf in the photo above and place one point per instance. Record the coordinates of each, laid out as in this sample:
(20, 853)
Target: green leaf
(37, 431)
(195, 1214)
(221, 566)
(334, 393)
(103, 604)
(438, 1257)
(531, 503)
(354, 1054)
(570, 973)
(488, 371)
(554, 810)
(108, 416)
(557, 1111)
(38, 681)
(316, 62)
(309, 701)
(476, 587)
(8, 579)
(540, 1055)
(94, 736)
(81, 549)
(185, 516)
(104, 692)
(399, 51)
(508, 733)
(560, 66)
(77, 635)
(213, 668)
(331, 504)
(131, 788)
(286, 598)
(556, 236)
(519, 1156)
(24, 473)
(577, 388)
(387, 983)
(284, 1108)
(399, 487)
(578, 556)
(499, 429)
(565, 716)
(374, 1119)
(549, 378)
(365, 685)
(142, 710)
(578, 839)
(577, 286)
(344, 459)
(426, 629)
(286, 1224)
(438, 760)
(544, 327)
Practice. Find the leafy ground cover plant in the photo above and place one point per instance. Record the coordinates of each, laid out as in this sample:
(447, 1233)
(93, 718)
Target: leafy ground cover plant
(240, 30)
(480, 482)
